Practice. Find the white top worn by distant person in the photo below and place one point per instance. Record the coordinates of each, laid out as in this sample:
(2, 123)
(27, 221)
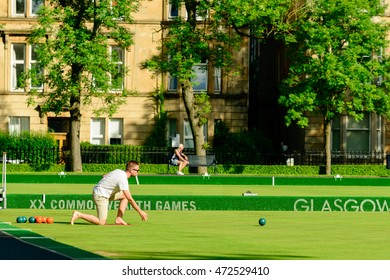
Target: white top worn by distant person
(111, 183)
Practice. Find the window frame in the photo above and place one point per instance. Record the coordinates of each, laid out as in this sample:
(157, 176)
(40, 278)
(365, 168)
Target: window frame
(188, 138)
(40, 3)
(217, 79)
(173, 10)
(353, 127)
(15, 12)
(33, 61)
(15, 66)
(30, 8)
(20, 66)
(342, 129)
(110, 130)
(102, 130)
(120, 67)
(20, 127)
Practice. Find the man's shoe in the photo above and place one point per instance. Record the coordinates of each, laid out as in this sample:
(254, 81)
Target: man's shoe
(180, 173)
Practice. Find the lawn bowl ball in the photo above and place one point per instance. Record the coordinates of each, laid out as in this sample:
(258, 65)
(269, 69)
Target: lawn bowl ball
(21, 219)
(262, 222)
(31, 220)
(49, 220)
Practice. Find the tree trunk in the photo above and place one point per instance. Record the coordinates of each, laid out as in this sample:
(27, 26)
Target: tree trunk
(75, 116)
(327, 147)
(197, 131)
(76, 165)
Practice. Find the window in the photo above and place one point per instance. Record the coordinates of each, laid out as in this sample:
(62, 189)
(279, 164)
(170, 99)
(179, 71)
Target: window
(172, 84)
(98, 131)
(202, 14)
(117, 56)
(20, 7)
(351, 135)
(18, 56)
(358, 133)
(189, 138)
(378, 136)
(17, 125)
(36, 71)
(115, 131)
(200, 80)
(116, 75)
(58, 124)
(174, 6)
(173, 135)
(217, 79)
(18, 64)
(173, 10)
(35, 6)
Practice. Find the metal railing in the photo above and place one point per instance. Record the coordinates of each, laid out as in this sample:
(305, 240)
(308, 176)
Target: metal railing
(119, 154)
(36, 156)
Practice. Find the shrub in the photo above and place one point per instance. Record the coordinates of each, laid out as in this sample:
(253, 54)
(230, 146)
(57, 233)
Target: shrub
(38, 149)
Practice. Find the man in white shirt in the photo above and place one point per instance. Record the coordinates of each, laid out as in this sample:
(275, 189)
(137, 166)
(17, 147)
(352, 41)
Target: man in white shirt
(113, 186)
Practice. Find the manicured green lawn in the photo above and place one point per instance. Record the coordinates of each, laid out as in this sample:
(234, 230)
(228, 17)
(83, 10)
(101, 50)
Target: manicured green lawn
(224, 235)
(220, 234)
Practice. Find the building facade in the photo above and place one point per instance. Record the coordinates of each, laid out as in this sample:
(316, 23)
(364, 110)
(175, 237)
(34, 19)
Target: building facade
(132, 123)
(269, 64)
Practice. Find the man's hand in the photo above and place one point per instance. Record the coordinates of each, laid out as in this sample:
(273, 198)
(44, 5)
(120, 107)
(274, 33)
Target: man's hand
(144, 215)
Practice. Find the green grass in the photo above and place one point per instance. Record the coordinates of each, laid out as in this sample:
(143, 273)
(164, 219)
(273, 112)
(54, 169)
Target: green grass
(224, 235)
(192, 235)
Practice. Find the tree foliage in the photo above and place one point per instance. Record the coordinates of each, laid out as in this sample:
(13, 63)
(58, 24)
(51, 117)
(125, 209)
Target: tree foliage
(71, 42)
(189, 41)
(337, 63)
(201, 36)
(72, 46)
(263, 19)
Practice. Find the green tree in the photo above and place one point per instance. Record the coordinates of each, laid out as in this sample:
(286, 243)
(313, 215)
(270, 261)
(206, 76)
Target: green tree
(336, 64)
(161, 121)
(72, 41)
(262, 19)
(202, 36)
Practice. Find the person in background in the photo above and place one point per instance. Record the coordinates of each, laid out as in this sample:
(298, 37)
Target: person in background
(180, 159)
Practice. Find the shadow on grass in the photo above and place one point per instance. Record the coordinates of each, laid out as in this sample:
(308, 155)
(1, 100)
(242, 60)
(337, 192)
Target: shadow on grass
(31, 246)
(183, 256)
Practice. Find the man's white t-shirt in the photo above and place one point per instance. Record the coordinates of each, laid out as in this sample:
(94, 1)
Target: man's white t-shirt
(112, 183)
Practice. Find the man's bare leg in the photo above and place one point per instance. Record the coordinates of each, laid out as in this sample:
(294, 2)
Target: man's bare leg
(121, 211)
(87, 217)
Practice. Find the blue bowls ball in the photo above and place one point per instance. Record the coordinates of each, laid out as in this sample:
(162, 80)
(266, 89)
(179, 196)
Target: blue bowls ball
(262, 221)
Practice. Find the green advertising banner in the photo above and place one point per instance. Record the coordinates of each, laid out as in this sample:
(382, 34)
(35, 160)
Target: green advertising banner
(204, 180)
(199, 203)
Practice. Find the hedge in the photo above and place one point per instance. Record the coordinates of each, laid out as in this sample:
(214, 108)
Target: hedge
(302, 170)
